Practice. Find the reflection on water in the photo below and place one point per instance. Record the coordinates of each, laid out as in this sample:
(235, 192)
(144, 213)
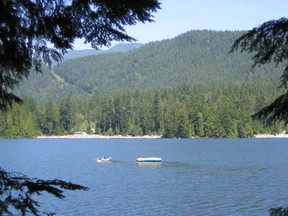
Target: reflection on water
(164, 164)
(149, 164)
(182, 165)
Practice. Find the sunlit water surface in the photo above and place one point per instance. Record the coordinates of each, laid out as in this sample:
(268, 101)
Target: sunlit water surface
(196, 176)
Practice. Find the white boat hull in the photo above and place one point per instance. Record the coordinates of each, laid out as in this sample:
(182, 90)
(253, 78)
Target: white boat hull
(101, 160)
(148, 159)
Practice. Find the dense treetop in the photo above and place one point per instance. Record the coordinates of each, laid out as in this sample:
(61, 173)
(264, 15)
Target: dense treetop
(200, 110)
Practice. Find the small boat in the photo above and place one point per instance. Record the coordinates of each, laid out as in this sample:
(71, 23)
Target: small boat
(148, 159)
(103, 159)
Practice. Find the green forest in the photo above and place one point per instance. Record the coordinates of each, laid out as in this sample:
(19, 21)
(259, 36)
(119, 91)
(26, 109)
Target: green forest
(220, 111)
(189, 86)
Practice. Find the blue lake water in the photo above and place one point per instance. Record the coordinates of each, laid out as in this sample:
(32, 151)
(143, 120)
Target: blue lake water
(196, 176)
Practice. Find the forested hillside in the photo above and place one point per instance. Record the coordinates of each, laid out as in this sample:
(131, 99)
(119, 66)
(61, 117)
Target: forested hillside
(193, 57)
(189, 86)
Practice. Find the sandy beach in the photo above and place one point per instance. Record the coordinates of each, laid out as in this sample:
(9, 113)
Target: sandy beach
(281, 135)
(96, 136)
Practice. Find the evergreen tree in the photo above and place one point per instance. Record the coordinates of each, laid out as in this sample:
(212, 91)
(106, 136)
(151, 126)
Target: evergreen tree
(199, 125)
(117, 116)
(184, 129)
(66, 112)
(52, 119)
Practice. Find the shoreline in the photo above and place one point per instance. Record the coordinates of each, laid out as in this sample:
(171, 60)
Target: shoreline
(96, 136)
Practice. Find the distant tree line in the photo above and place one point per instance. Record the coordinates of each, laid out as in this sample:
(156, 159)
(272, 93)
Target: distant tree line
(219, 110)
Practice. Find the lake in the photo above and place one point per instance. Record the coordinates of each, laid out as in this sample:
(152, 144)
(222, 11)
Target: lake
(196, 176)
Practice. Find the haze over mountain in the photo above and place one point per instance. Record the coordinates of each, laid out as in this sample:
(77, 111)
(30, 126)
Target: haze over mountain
(193, 57)
(122, 47)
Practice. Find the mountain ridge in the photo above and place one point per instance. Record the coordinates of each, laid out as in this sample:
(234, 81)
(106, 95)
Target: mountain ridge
(121, 47)
(198, 56)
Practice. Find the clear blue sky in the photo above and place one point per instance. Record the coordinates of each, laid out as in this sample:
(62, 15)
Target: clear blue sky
(179, 16)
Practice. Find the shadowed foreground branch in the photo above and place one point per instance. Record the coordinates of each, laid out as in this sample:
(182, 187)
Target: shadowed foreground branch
(16, 191)
(269, 43)
(276, 111)
(280, 211)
